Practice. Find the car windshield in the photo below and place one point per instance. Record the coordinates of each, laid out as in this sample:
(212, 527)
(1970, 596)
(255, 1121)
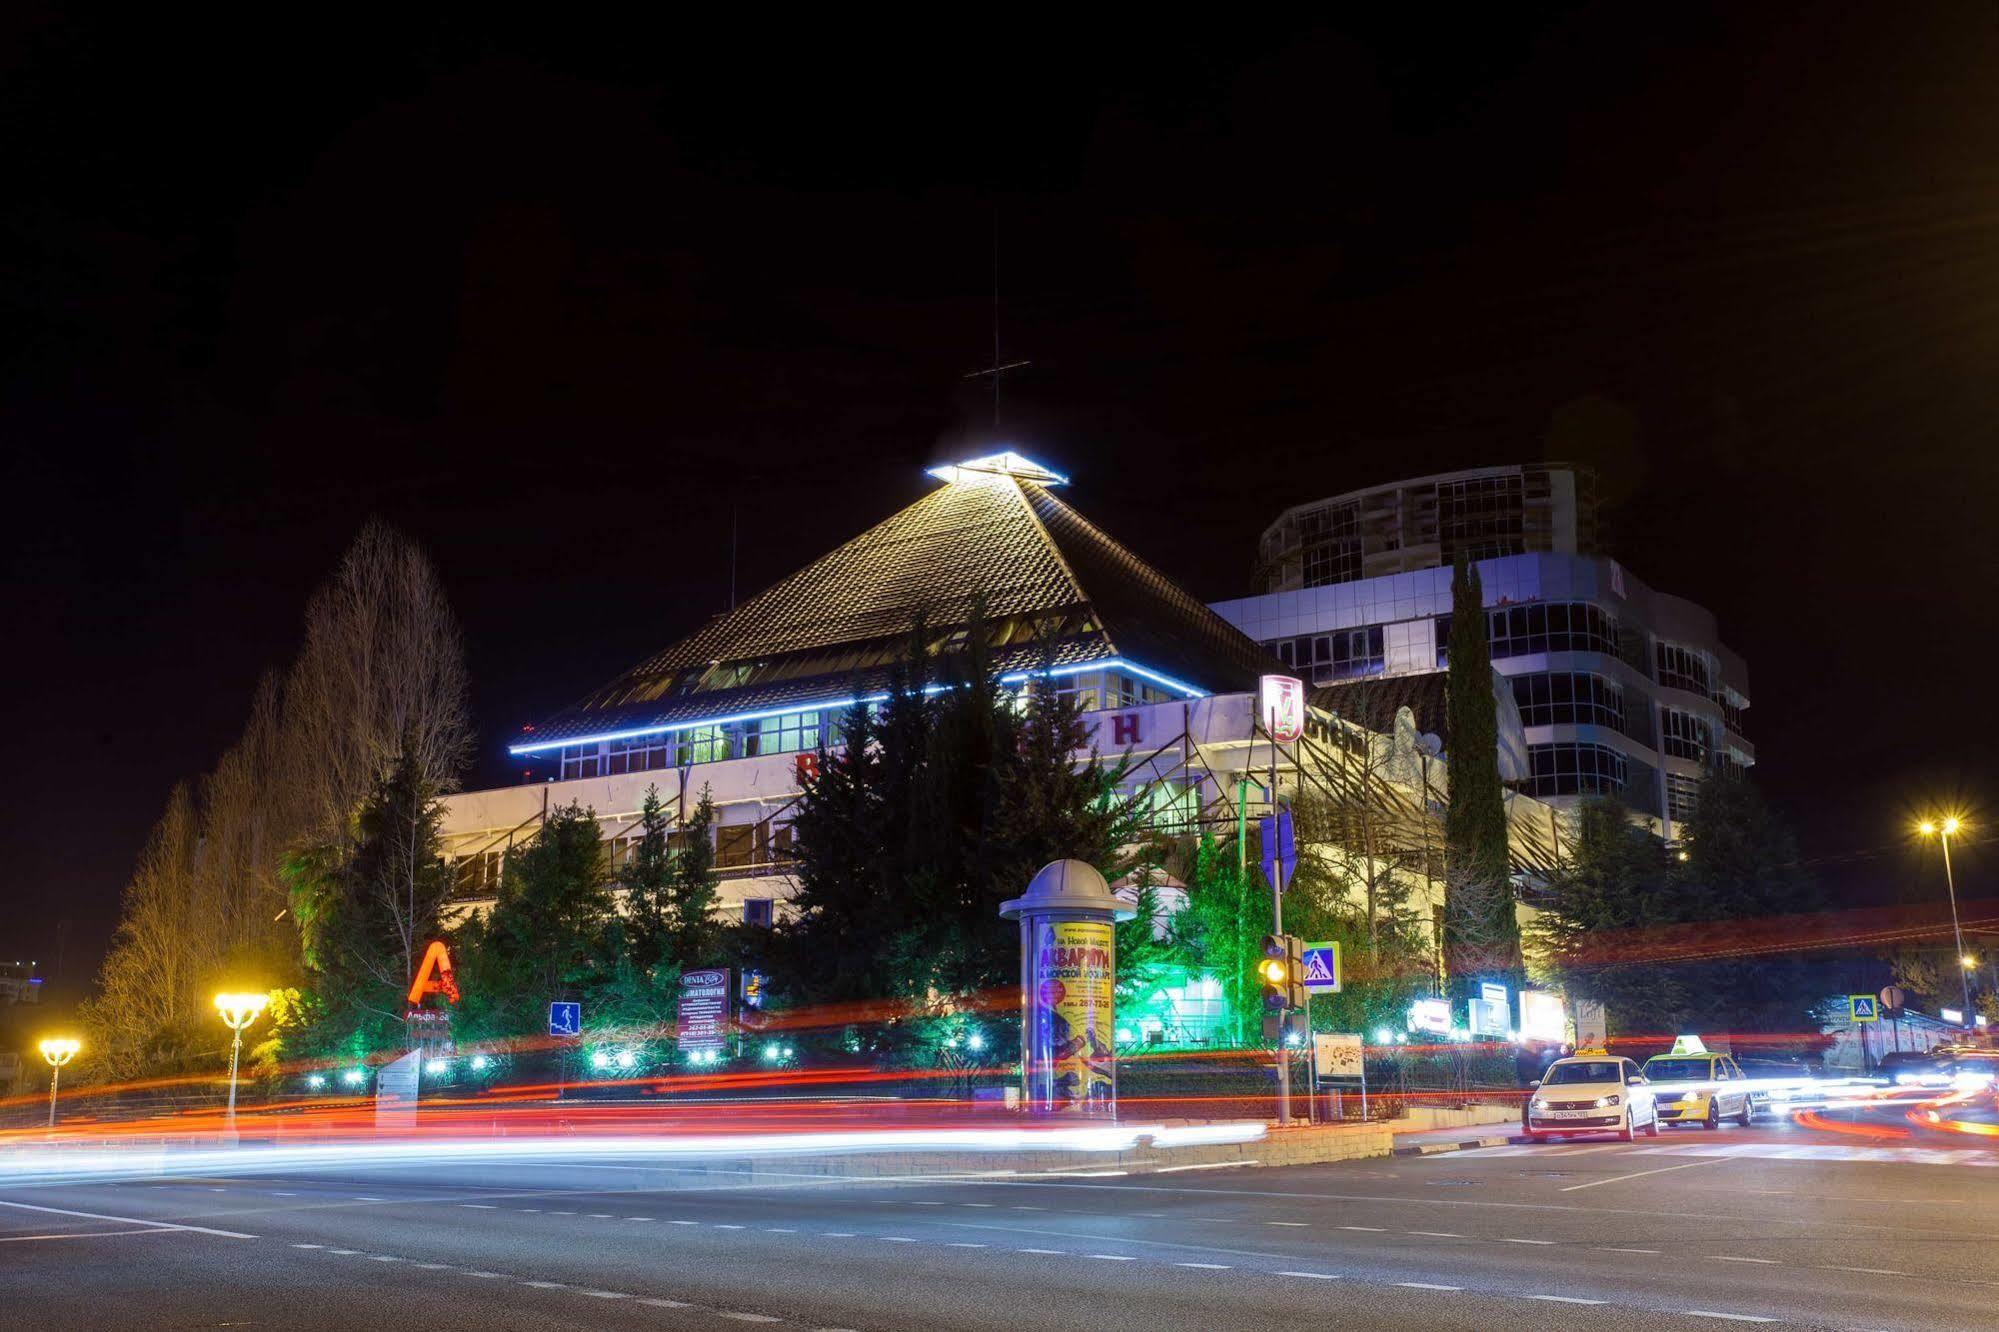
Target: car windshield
(1678, 1070)
(1594, 1070)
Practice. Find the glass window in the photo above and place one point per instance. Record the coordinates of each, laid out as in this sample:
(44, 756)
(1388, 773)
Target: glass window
(1574, 769)
(1515, 631)
(734, 844)
(1568, 697)
(1683, 735)
(1681, 793)
(1683, 668)
(759, 911)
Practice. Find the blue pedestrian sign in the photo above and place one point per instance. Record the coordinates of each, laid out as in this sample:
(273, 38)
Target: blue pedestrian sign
(1322, 968)
(1863, 1007)
(1280, 848)
(565, 1019)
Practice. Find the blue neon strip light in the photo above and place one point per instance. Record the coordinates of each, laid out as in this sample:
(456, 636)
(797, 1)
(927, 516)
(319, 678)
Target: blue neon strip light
(1015, 677)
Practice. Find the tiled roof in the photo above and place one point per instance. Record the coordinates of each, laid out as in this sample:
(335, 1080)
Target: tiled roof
(832, 629)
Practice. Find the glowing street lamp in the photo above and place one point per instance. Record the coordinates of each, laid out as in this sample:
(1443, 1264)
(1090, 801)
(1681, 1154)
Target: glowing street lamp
(58, 1050)
(238, 1011)
(1945, 828)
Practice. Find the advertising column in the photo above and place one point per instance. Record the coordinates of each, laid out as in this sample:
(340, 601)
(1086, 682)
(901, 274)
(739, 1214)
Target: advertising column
(1068, 961)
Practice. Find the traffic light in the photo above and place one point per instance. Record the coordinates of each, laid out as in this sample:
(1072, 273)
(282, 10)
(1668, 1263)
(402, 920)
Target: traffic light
(1282, 971)
(1275, 973)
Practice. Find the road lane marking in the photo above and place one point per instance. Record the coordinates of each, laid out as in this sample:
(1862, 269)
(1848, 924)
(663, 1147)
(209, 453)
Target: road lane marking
(1052, 1251)
(897, 1239)
(1286, 1223)
(1870, 1271)
(359, 1197)
(1315, 1276)
(638, 1218)
(837, 1234)
(659, 1303)
(604, 1294)
(482, 1207)
(1112, 1257)
(482, 1275)
(1206, 1267)
(1731, 1258)
(1563, 1299)
(747, 1317)
(601, 1216)
(1426, 1285)
(1508, 1239)
(1436, 1234)
(308, 1246)
(433, 1267)
(1640, 1174)
(82, 1234)
(683, 1223)
(1604, 1248)
(128, 1220)
(963, 1244)
(768, 1230)
(383, 1258)
(345, 1253)
(722, 1226)
(1731, 1317)
(546, 1285)
(1378, 1230)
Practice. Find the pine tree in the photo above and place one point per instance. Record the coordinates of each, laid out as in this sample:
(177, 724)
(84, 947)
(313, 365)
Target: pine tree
(1481, 927)
(366, 916)
(647, 878)
(691, 892)
(546, 938)
(1226, 916)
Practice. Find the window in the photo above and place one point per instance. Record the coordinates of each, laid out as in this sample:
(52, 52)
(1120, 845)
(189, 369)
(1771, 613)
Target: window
(734, 844)
(1331, 541)
(1481, 518)
(478, 875)
(1683, 668)
(1731, 713)
(701, 744)
(1683, 735)
(794, 732)
(1515, 631)
(1574, 769)
(1339, 655)
(1577, 698)
(1098, 691)
(759, 911)
(1681, 793)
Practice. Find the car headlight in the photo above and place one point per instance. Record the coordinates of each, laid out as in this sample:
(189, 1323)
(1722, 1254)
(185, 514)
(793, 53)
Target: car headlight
(1612, 1099)
(1539, 1104)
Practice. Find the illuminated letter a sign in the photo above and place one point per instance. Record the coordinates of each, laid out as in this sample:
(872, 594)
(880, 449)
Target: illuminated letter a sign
(434, 975)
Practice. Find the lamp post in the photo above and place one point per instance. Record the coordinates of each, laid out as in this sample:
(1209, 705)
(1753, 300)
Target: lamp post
(238, 1011)
(1944, 828)
(58, 1051)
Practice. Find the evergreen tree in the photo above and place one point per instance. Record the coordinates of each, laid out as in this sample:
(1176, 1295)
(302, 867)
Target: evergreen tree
(696, 936)
(546, 938)
(1481, 927)
(647, 880)
(1603, 910)
(367, 913)
(1223, 924)
(1146, 945)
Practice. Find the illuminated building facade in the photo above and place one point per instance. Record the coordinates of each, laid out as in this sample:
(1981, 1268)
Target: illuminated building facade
(1619, 689)
(742, 706)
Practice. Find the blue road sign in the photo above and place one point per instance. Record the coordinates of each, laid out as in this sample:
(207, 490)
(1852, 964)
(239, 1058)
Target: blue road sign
(1280, 847)
(565, 1019)
(1322, 968)
(1863, 1007)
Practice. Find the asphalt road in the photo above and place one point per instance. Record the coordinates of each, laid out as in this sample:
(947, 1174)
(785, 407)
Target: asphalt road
(1685, 1231)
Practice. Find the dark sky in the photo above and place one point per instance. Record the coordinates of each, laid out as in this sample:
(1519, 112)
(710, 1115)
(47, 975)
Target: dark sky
(555, 298)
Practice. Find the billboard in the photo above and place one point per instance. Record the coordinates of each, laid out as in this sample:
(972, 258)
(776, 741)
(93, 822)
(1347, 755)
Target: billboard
(1068, 1056)
(1283, 707)
(1542, 1017)
(704, 1009)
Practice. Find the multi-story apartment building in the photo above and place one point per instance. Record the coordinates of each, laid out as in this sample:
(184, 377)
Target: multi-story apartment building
(1620, 689)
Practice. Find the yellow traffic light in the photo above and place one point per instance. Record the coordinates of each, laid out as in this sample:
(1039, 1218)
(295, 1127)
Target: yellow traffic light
(1273, 970)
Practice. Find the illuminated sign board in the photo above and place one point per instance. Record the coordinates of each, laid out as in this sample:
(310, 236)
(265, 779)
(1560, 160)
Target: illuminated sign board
(1283, 707)
(1541, 1017)
(704, 1009)
(1430, 1015)
(433, 975)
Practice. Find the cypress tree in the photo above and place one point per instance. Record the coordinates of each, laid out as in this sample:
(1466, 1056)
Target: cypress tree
(647, 878)
(1481, 930)
(696, 936)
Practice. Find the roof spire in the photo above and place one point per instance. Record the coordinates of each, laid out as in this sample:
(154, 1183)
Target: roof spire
(1008, 463)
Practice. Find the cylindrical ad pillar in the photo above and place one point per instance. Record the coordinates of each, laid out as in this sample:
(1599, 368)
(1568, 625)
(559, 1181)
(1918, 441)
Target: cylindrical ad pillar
(1068, 976)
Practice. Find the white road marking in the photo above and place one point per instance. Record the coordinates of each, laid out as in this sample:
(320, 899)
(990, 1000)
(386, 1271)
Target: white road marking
(837, 1234)
(562, 1214)
(1206, 1267)
(638, 1218)
(433, 1267)
(284, 1195)
(1205, 1165)
(1285, 1223)
(1563, 1299)
(1378, 1230)
(1640, 1174)
(1022, 1207)
(918, 1202)
(128, 1220)
(768, 1230)
(383, 1258)
(898, 1239)
(723, 1226)
(746, 1317)
(1731, 1317)
(345, 1253)
(1437, 1234)
(1055, 1251)
(1316, 1276)
(1870, 1271)
(600, 1216)
(1731, 1258)
(683, 1223)
(963, 1244)
(82, 1235)
(359, 1197)
(546, 1285)
(527, 1209)
(308, 1246)
(1604, 1248)
(658, 1303)
(481, 1207)
(1112, 1257)
(484, 1275)
(604, 1294)
(978, 1204)
(1508, 1239)
(1426, 1285)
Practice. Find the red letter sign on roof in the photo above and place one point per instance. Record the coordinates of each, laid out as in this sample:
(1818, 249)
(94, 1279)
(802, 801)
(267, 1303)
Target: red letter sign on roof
(434, 975)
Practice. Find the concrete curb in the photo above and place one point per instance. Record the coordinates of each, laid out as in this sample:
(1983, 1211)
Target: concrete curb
(1435, 1148)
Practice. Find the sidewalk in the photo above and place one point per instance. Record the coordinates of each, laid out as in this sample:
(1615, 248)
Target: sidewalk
(1427, 1142)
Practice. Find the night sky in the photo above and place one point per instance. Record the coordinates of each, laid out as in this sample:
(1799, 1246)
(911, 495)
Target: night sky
(558, 299)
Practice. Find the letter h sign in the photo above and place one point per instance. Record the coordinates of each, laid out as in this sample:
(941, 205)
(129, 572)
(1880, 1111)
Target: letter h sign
(1124, 728)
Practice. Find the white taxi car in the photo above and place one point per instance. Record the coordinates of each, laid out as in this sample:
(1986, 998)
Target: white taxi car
(1594, 1093)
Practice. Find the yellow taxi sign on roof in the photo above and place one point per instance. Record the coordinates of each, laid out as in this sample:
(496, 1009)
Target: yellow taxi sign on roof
(1688, 1045)
(1592, 1050)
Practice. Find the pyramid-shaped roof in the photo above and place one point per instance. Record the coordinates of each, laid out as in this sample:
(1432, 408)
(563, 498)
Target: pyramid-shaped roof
(1059, 594)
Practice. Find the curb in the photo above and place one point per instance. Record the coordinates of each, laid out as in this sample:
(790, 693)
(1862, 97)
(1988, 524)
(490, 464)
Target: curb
(1436, 1148)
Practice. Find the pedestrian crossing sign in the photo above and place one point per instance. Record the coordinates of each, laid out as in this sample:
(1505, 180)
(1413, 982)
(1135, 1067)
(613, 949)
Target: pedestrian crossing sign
(1863, 1007)
(1322, 968)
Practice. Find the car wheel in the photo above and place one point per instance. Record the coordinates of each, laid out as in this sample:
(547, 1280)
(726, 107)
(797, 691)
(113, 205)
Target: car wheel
(1630, 1133)
(1713, 1121)
(1748, 1116)
(1652, 1125)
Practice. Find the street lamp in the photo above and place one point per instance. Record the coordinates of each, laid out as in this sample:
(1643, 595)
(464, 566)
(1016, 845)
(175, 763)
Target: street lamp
(58, 1051)
(1945, 828)
(238, 1011)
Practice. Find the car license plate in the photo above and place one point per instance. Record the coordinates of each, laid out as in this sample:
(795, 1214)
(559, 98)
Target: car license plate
(1569, 1114)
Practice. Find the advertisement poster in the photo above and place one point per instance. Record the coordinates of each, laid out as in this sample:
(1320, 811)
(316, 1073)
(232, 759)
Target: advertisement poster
(1069, 1054)
(704, 1009)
